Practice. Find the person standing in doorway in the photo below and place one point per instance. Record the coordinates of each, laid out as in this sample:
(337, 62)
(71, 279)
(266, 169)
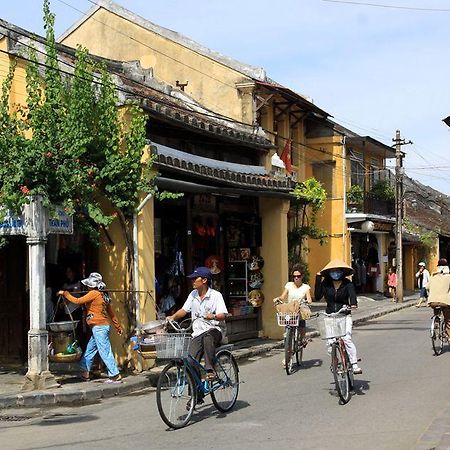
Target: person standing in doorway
(423, 278)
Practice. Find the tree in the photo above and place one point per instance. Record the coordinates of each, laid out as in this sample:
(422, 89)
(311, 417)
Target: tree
(72, 145)
(310, 197)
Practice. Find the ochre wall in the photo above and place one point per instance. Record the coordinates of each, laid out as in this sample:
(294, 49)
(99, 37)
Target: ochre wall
(274, 250)
(210, 83)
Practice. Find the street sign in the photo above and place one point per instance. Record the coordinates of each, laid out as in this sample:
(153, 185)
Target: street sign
(16, 225)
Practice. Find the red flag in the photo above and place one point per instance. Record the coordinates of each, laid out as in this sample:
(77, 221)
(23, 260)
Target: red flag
(286, 156)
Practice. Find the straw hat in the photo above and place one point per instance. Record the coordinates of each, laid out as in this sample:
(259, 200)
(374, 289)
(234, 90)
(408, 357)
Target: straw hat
(338, 264)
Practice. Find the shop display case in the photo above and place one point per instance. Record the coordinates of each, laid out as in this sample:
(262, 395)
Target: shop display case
(243, 322)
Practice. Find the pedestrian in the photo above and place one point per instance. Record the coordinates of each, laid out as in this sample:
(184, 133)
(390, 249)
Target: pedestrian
(439, 287)
(423, 278)
(392, 284)
(208, 312)
(296, 290)
(98, 305)
(331, 283)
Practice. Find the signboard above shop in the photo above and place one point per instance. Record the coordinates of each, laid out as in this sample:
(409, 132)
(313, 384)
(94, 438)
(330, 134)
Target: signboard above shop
(17, 225)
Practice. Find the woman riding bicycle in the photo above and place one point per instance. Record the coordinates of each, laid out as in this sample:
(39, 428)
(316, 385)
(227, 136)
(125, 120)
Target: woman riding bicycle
(296, 290)
(331, 283)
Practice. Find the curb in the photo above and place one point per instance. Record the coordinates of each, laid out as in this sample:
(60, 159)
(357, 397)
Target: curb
(137, 383)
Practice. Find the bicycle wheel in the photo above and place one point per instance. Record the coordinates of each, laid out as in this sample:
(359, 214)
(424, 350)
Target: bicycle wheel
(437, 338)
(224, 391)
(176, 395)
(340, 373)
(298, 346)
(289, 350)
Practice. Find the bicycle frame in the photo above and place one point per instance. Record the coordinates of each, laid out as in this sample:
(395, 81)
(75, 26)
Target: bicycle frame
(195, 368)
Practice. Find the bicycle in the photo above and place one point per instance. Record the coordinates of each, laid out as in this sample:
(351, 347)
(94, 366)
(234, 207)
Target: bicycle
(438, 332)
(332, 327)
(180, 385)
(293, 341)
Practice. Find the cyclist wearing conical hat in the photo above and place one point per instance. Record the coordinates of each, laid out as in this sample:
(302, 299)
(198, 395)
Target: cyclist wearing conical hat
(338, 291)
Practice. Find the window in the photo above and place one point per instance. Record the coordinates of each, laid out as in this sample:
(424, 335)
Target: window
(375, 173)
(357, 168)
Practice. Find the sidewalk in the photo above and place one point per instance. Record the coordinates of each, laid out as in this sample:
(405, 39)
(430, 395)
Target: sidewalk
(72, 390)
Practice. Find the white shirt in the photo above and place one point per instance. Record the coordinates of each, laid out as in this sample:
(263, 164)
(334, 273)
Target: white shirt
(296, 293)
(212, 303)
(425, 279)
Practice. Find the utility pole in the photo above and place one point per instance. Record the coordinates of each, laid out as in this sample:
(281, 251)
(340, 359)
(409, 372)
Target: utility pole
(399, 172)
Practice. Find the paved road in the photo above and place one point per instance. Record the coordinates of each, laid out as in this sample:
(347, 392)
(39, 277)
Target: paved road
(401, 402)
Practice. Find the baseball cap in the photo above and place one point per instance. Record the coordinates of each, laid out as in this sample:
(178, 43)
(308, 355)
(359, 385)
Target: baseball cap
(421, 264)
(202, 272)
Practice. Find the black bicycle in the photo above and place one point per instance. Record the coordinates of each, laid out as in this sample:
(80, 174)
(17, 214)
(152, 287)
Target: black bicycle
(438, 332)
(182, 381)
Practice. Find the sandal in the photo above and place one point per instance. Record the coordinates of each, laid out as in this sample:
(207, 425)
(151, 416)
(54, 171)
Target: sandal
(84, 377)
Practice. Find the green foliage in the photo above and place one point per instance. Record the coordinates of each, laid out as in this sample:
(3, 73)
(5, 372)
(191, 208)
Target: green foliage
(427, 237)
(70, 144)
(355, 195)
(383, 190)
(310, 197)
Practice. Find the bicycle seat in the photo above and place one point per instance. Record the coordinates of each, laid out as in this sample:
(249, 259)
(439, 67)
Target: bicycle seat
(228, 347)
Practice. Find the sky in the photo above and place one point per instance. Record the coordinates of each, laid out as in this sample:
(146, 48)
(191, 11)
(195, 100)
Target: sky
(375, 69)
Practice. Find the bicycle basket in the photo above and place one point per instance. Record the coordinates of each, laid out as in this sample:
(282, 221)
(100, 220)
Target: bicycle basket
(172, 345)
(332, 327)
(288, 319)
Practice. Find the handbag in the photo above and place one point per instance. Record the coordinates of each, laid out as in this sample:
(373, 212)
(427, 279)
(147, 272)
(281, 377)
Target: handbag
(305, 312)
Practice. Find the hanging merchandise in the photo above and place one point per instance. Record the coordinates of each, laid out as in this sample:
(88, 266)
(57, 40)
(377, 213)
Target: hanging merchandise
(256, 263)
(244, 253)
(177, 268)
(256, 280)
(255, 297)
(215, 264)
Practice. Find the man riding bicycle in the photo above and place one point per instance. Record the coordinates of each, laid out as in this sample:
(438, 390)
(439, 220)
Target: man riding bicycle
(208, 312)
(439, 287)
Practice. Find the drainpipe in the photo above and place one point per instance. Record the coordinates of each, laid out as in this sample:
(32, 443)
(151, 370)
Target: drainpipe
(136, 259)
(344, 203)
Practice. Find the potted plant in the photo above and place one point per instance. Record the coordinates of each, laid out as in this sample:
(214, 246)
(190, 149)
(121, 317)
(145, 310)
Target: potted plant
(383, 190)
(355, 196)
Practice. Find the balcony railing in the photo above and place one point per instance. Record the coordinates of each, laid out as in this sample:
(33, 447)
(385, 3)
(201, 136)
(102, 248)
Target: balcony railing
(373, 205)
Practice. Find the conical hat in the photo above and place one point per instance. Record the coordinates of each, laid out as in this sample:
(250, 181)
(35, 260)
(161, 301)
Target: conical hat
(338, 264)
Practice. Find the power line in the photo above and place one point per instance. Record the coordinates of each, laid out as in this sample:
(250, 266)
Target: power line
(379, 5)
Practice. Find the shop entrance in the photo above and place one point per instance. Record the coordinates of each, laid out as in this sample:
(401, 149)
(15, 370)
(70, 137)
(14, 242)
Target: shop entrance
(14, 304)
(365, 262)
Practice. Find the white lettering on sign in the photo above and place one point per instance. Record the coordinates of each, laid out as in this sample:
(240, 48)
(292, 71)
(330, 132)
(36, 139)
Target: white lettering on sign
(59, 223)
(13, 225)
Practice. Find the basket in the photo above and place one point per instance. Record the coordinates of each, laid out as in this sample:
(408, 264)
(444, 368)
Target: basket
(172, 345)
(288, 319)
(62, 358)
(332, 326)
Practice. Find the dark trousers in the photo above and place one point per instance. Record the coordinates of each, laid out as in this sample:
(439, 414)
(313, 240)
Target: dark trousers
(205, 345)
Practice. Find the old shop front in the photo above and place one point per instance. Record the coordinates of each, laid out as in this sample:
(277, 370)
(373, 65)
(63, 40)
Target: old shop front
(373, 251)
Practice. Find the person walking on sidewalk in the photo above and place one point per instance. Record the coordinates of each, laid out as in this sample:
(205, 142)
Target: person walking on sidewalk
(423, 278)
(439, 287)
(338, 291)
(392, 284)
(98, 304)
